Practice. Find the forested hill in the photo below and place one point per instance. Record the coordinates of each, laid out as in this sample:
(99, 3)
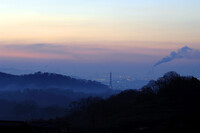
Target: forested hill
(169, 104)
(49, 80)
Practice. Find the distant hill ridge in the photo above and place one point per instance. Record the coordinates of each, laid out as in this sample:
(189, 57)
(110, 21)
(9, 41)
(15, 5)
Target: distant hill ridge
(41, 80)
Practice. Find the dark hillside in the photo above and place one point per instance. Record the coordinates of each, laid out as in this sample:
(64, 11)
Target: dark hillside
(169, 104)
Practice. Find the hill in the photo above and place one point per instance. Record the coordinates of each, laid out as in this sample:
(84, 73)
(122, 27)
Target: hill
(49, 80)
(169, 104)
(44, 95)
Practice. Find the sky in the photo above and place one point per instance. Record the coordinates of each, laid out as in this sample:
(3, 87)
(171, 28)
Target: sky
(134, 34)
(67, 21)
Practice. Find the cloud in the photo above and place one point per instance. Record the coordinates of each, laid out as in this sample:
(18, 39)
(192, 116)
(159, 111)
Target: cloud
(185, 52)
(56, 51)
(95, 53)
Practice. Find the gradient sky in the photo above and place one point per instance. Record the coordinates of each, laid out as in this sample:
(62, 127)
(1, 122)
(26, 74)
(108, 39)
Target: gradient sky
(97, 31)
(64, 21)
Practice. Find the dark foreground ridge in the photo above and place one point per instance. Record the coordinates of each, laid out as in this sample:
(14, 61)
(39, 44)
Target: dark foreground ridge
(169, 104)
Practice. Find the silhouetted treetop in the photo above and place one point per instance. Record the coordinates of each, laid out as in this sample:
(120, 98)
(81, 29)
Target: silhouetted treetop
(165, 105)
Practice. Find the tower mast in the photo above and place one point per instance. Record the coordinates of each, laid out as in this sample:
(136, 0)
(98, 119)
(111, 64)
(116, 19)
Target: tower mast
(111, 80)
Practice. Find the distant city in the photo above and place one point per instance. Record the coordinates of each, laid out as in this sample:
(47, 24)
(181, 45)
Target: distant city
(121, 81)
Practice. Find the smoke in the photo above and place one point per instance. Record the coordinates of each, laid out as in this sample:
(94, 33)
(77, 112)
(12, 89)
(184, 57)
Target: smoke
(184, 52)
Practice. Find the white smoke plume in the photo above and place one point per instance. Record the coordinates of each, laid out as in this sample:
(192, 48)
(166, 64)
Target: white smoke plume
(184, 52)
